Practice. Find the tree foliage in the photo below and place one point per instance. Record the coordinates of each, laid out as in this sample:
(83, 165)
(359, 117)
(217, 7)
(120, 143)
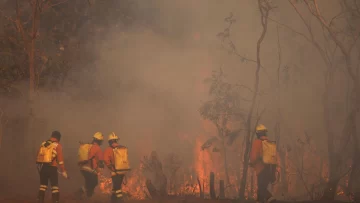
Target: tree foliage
(64, 30)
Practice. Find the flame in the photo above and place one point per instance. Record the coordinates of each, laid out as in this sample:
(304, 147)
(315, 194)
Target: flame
(133, 185)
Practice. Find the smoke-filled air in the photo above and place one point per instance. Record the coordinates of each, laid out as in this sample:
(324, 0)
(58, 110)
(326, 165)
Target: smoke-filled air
(179, 101)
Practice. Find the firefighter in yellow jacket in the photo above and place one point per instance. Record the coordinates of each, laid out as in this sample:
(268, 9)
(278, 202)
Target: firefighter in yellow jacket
(49, 158)
(265, 172)
(116, 159)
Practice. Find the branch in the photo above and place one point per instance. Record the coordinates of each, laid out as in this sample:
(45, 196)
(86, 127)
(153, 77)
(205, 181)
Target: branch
(313, 41)
(19, 25)
(342, 47)
(7, 17)
(55, 4)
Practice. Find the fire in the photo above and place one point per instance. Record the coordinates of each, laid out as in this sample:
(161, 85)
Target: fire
(133, 185)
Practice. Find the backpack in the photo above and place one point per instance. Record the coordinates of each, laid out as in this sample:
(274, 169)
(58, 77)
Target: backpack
(269, 155)
(121, 159)
(46, 153)
(83, 153)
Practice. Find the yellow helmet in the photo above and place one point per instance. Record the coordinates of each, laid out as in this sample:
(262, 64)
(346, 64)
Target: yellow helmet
(260, 128)
(98, 136)
(112, 136)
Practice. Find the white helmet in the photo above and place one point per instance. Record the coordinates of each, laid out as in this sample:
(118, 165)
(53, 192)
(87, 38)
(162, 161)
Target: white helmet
(98, 136)
(112, 136)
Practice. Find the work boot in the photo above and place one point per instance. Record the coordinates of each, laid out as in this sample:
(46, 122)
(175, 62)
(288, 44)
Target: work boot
(41, 197)
(55, 197)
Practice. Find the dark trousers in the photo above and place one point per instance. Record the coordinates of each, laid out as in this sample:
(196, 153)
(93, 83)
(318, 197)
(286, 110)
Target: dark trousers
(48, 174)
(117, 194)
(264, 178)
(91, 181)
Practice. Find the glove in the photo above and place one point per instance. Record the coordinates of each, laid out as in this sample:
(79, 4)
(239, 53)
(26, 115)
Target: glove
(65, 175)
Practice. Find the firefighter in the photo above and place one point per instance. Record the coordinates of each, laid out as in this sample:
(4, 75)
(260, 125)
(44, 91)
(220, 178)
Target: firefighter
(265, 172)
(50, 157)
(92, 167)
(117, 176)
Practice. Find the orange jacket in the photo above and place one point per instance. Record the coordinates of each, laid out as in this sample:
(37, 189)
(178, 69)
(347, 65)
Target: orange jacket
(109, 158)
(59, 160)
(96, 155)
(256, 155)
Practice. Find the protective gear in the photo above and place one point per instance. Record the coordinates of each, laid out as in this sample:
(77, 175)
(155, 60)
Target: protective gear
(91, 181)
(117, 194)
(47, 152)
(269, 155)
(91, 167)
(264, 178)
(112, 136)
(83, 153)
(260, 128)
(48, 174)
(98, 136)
(41, 194)
(121, 159)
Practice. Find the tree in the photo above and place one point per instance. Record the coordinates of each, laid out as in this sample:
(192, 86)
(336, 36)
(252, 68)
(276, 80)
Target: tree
(248, 117)
(222, 108)
(29, 13)
(264, 7)
(339, 39)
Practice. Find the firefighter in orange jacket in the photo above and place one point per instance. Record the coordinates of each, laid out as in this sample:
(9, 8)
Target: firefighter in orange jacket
(92, 167)
(49, 171)
(116, 176)
(265, 173)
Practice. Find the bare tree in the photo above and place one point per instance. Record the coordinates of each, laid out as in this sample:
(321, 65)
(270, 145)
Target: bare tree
(222, 108)
(264, 7)
(327, 53)
(248, 117)
(335, 158)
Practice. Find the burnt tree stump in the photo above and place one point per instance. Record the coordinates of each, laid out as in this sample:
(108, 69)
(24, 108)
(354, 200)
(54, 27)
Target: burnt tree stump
(212, 185)
(201, 189)
(222, 189)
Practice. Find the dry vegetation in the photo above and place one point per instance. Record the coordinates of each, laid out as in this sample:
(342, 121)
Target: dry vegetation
(184, 84)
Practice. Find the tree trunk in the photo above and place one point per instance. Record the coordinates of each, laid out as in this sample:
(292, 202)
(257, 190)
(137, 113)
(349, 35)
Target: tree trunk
(225, 163)
(252, 188)
(264, 10)
(222, 189)
(201, 188)
(1, 127)
(31, 48)
(283, 175)
(330, 190)
(212, 185)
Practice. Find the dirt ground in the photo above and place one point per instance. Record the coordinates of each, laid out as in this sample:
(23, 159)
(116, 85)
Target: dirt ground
(105, 199)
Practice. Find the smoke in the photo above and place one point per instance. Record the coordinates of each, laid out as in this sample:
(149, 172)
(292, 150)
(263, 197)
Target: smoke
(145, 81)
